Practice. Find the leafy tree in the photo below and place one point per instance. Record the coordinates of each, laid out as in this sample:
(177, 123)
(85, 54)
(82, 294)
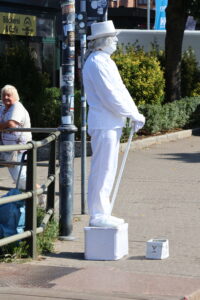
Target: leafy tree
(176, 16)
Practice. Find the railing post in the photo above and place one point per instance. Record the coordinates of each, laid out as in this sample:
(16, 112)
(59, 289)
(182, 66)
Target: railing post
(31, 204)
(66, 181)
(52, 171)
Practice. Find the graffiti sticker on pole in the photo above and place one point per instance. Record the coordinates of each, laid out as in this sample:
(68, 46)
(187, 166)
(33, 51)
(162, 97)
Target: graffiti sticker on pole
(88, 12)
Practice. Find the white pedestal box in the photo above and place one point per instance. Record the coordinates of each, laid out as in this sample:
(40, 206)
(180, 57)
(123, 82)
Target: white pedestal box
(103, 243)
(157, 249)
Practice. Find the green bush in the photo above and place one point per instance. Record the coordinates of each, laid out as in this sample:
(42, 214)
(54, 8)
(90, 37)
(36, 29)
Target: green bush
(196, 91)
(141, 74)
(190, 73)
(184, 113)
(190, 70)
(51, 109)
(19, 69)
(158, 53)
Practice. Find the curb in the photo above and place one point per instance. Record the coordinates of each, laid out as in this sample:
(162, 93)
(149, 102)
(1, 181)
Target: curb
(168, 137)
(135, 144)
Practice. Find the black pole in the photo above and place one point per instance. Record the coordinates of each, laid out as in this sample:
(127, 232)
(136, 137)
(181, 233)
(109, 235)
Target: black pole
(67, 119)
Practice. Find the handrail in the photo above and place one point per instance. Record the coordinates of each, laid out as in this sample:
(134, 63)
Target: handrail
(26, 234)
(47, 140)
(15, 198)
(72, 128)
(39, 191)
(31, 129)
(30, 196)
(15, 147)
(37, 144)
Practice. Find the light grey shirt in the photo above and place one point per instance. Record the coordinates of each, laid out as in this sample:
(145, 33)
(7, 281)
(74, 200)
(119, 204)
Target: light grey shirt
(18, 113)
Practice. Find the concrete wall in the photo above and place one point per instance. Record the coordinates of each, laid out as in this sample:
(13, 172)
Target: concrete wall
(146, 37)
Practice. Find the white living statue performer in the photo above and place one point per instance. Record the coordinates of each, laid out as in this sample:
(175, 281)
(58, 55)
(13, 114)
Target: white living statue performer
(109, 105)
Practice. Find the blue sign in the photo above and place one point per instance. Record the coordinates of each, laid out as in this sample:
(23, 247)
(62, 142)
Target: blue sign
(160, 21)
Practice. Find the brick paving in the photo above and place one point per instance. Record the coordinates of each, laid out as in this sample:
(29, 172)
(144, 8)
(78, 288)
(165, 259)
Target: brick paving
(159, 198)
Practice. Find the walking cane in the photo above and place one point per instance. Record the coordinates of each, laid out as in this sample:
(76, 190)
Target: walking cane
(122, 168)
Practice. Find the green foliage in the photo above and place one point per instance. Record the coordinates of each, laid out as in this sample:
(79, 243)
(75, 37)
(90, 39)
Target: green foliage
(183, 113)
(141, 73)
(19, 69)
(190, 70)
(45, 240)
(196, 91)
(14, 251)
(190, 73)
(51, 108)
(158, 53)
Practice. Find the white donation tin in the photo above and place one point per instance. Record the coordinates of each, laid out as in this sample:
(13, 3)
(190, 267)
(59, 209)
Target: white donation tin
(157, 249)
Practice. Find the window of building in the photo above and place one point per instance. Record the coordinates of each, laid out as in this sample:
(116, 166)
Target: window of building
(144, 2)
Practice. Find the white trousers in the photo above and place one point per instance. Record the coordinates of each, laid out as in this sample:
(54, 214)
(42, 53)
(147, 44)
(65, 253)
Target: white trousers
(14, 172)
(105, 150)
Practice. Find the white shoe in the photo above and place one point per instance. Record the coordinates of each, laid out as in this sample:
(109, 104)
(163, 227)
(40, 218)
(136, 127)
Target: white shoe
(105, 221)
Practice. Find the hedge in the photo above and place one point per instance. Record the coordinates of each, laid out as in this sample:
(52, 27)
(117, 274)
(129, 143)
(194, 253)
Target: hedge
(184, 113)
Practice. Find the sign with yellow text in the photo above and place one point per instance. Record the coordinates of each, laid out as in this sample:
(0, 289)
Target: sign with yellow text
(15, 24)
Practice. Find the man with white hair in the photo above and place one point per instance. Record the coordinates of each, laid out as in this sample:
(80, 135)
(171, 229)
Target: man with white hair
(14, 115)
(109, 105)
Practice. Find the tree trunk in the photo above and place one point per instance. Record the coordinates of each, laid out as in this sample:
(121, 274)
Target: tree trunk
(176, 17)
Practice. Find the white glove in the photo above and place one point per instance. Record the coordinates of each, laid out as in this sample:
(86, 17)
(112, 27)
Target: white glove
(137, 125)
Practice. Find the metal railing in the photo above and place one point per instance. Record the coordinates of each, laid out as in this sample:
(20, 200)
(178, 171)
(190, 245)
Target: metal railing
(31, 193)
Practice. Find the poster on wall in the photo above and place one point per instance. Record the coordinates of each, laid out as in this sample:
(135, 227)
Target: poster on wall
(160, 20)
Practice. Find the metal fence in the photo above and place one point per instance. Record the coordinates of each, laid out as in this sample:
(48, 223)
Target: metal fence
(31, 193)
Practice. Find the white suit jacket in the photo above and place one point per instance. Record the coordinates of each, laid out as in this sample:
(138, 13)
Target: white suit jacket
(108, 99)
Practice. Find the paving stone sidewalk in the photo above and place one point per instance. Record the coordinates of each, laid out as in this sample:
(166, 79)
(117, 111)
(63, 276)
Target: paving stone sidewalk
(159, 197)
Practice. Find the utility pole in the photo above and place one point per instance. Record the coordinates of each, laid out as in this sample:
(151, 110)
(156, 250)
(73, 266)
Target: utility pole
(67, 119)
(148, 14)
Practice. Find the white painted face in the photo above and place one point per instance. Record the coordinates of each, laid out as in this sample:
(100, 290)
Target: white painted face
(111, 45)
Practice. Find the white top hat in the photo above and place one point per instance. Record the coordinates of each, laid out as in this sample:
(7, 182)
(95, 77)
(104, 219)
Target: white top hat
(102, 29)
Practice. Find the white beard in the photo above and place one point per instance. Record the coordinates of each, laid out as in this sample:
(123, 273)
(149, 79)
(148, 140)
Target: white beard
(110, 45)
(110, 49)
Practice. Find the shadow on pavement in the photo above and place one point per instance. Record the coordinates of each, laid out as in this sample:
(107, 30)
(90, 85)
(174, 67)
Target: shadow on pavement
(185, 157)
(196, 132)
(71, 255)
(137, 258)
